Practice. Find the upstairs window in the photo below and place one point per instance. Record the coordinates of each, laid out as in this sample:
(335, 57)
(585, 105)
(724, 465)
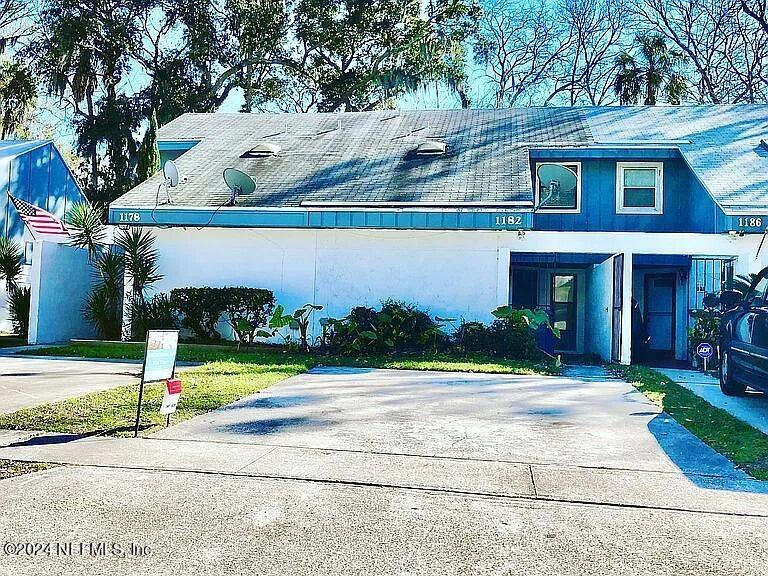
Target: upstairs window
(639, 187)
(558, 187)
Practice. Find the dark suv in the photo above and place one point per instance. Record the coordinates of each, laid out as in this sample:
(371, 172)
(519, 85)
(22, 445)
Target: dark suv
(744, 340)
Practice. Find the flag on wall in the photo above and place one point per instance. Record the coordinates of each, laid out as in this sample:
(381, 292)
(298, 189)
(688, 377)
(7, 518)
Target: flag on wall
(39, 221)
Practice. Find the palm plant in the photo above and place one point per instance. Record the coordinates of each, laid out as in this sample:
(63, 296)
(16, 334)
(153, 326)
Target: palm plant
(86, 228)
(103, 307)
(11, 262)
(654, 71)
(140, 258)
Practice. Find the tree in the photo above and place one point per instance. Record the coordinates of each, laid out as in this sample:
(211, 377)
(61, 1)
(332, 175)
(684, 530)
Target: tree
(149, 153)
(757, 10)
(85, 75)
(520, 45)
(14, 22)
(654, 71)
(18, 95)
(726, 50)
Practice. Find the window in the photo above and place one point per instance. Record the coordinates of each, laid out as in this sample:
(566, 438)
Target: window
(28, 253)
(552, 195)
(639, 187)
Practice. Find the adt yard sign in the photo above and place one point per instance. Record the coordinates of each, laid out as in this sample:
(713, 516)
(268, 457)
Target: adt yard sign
(159, 363)
(705, 350)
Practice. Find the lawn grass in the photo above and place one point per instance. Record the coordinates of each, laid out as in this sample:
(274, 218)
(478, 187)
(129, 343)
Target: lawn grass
(10, 468)
(225, 376)
(744, 445)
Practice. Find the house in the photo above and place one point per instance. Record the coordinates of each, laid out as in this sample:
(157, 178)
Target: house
(576, 210)
(33, 171)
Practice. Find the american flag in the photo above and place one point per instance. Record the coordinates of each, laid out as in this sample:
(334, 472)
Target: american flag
(39, 221)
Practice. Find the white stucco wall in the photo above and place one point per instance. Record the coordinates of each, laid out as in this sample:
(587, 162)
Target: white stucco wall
(463, 274)
(60, 280)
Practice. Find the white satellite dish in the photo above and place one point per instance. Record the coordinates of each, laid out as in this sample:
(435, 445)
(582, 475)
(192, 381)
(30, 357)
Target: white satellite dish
(557, 179)
(171, 173)
(239, 183)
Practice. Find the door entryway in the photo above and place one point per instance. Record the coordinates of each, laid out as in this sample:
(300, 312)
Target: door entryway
(660, 315)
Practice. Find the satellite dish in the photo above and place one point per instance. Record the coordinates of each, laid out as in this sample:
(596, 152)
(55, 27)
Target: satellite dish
(239, 183)
(557, 179)
(171, 173)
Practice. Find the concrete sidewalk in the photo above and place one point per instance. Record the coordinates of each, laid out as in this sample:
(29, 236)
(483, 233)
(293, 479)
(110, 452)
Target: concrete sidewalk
(751, 408)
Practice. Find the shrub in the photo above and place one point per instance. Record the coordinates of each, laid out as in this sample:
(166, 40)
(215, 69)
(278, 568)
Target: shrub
(248, 311)
(157, 313)
(513, 333)
(472, 337)
(18, 308)
(201, 309)
(397, 327)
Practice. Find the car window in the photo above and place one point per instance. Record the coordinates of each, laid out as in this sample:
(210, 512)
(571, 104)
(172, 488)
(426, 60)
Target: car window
(756, 296)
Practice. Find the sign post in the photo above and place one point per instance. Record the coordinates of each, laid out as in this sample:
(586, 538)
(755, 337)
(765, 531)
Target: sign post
(159, 364)
(705, 350)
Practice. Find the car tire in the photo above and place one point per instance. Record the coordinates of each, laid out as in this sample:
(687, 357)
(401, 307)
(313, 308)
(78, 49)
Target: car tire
(728, 385)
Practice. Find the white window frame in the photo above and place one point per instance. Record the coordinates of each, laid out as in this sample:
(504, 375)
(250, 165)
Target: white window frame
(558, 210)
(658, 209)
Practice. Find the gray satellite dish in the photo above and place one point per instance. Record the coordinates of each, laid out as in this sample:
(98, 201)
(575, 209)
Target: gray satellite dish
(239, 183)
(557, 179)
(171, 173)
(171, 177)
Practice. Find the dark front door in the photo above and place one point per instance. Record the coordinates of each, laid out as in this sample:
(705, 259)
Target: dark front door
(564, 310)
(660, 315)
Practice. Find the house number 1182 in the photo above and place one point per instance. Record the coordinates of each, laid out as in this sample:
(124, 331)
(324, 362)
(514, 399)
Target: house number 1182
(510, 220)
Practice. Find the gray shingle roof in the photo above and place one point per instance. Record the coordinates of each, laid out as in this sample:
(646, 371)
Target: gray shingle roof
(720, 143)
(370, 158)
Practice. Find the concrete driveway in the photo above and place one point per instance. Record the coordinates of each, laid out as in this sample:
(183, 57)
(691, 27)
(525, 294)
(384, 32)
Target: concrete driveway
(29, 381)
(386, 472)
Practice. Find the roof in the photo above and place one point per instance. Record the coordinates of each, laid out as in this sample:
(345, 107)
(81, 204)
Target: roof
(367, 157)
(13, 148)
(722, 144)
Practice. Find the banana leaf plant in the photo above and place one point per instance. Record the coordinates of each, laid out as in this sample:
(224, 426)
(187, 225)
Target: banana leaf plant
(534, 318)
(299, 320)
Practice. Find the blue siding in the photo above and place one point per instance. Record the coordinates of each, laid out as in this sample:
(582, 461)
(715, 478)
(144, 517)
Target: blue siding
(302, 218)
(687, 205)
(34, 172)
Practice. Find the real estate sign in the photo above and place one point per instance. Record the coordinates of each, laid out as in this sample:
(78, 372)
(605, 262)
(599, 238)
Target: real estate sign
(160, 355)
(159, 364)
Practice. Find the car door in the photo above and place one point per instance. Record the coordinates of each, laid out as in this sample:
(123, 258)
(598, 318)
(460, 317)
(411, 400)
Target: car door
(741, 344)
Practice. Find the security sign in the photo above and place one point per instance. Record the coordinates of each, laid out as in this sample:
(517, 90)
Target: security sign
(171, 398)
(705, 350)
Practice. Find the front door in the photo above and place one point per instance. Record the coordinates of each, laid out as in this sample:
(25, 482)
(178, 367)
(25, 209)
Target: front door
(660, 315)
(564, 310)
